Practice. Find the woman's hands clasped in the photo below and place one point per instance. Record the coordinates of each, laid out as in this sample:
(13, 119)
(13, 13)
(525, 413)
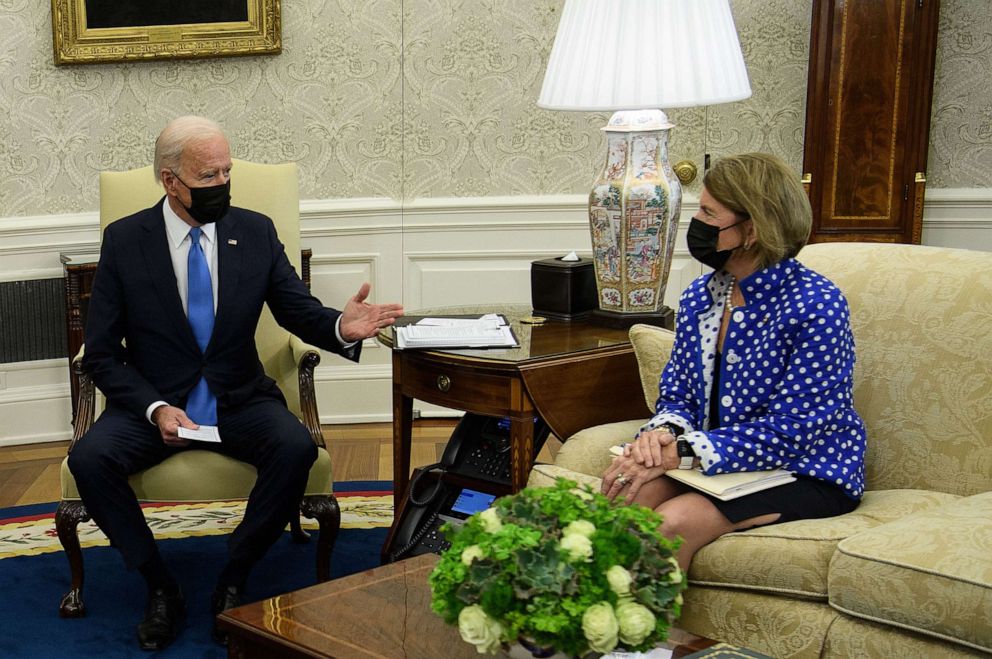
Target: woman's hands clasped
(649, 448)
(646, 458)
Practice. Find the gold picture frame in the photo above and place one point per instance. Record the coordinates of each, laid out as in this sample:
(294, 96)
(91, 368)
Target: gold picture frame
(122, 36)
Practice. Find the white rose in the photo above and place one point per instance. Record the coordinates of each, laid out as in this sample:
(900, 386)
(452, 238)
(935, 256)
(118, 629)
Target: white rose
(471, 553)
(578, 547)
(580, 527)
(600, 627)
(676, 574)
(636, 622)
(619, 579)
(490, 520)
(479, 629)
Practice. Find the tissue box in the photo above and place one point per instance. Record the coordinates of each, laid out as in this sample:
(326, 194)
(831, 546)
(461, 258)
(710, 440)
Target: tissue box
(563, 290)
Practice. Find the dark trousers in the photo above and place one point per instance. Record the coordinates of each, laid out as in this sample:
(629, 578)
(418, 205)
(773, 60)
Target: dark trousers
(262, 433)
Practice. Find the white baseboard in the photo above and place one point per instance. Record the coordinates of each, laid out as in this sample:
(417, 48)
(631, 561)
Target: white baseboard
(37, 438)
(34, 402)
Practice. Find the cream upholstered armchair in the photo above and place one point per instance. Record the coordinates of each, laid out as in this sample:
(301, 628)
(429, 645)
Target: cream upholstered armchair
(197, 475)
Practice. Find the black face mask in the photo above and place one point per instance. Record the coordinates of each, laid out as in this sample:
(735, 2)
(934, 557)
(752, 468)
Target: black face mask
(207, 205)
(702, 238)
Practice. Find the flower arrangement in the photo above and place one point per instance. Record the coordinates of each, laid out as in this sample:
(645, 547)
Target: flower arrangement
(562, 567)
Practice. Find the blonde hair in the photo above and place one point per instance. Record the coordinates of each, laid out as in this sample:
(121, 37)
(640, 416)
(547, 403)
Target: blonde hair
(762, 187)
(176, 136)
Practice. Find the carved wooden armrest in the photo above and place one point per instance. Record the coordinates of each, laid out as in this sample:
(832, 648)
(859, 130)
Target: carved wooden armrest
(85, 399)
(307, 357)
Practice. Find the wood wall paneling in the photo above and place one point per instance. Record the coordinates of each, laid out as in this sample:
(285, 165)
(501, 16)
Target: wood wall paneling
(867, 121)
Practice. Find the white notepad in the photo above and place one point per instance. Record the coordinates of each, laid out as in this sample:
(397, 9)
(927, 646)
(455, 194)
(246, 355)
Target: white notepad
(202, 434)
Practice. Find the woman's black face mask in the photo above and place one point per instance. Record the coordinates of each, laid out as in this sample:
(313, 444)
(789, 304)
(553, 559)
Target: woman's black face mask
(702, 239)
(207, 205)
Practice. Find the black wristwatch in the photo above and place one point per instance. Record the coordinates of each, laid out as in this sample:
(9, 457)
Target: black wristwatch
(686, 454)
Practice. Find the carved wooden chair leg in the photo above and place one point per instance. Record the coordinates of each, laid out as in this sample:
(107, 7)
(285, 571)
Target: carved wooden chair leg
(299, 535)
(67, 518)
(323, 508)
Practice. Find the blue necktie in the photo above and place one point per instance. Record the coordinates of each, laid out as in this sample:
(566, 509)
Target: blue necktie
(202, 404)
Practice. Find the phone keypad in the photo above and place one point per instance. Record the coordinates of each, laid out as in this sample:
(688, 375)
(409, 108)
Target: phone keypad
(432, 541)
(488, 462)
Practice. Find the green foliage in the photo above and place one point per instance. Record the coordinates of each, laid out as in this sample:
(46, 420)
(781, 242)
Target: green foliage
(522, 578)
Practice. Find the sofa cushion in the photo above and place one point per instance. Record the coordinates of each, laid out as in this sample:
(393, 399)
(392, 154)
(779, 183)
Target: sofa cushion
(929, 572)
(793, 558)
(545, 475)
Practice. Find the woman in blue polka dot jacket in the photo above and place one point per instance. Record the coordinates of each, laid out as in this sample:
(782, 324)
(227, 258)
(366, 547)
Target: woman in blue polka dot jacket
(760, 376)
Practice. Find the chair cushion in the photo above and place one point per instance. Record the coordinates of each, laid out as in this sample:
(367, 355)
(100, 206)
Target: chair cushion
(794, 558)
(929, 572)
(202, 476)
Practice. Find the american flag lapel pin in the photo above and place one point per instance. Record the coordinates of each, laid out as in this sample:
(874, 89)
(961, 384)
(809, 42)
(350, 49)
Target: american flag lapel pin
(232, 241)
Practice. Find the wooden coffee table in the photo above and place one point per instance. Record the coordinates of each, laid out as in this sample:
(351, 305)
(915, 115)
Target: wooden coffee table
(384, 612)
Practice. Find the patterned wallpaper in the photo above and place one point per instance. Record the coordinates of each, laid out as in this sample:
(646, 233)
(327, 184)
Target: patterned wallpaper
(960, 153)
(422, 98)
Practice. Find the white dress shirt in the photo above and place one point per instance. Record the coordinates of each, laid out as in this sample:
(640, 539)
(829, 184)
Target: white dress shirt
(179, 243)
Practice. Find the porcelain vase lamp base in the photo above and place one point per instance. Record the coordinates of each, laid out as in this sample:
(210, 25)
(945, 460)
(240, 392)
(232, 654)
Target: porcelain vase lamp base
(634, 210)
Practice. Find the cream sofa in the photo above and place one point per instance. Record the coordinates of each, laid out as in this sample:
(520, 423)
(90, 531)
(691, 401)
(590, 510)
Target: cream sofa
(909, 572)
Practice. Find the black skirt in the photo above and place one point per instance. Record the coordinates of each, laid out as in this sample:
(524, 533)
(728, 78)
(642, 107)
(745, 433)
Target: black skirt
(806, 498)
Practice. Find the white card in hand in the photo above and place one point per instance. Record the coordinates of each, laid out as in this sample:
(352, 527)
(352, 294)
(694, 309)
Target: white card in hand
(203, 434)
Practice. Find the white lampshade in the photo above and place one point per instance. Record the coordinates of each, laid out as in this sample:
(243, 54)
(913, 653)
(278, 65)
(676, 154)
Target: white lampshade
(644, 54)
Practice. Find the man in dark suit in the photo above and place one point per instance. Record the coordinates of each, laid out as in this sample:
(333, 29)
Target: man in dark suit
(170, 341)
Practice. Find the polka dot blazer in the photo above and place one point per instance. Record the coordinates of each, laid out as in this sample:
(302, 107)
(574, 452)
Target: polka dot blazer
(785, 377)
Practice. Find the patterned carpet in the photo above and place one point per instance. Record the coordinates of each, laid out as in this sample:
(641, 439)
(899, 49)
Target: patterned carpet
(193, 542)
(30, 530)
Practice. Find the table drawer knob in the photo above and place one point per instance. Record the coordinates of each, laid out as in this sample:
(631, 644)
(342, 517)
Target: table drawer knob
(443, 382)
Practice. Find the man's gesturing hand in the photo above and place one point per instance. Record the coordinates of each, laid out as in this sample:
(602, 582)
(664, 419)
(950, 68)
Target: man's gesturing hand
(361, 320)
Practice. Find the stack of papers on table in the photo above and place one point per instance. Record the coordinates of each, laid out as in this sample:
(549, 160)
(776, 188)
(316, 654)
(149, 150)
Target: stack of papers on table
(488, 331)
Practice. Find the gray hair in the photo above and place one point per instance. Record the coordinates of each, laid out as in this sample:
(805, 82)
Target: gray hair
(176, 136)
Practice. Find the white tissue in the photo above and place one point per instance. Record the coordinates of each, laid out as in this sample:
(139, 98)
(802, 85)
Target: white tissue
(571, 256)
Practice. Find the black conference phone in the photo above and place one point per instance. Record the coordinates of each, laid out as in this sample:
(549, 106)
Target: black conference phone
(477, 452)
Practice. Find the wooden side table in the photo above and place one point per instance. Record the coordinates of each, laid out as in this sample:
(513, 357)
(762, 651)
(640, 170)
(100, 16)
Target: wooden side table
(574, 375)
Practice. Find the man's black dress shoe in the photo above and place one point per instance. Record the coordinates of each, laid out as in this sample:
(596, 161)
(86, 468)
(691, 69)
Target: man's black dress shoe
(224, 598)
(163, 616)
